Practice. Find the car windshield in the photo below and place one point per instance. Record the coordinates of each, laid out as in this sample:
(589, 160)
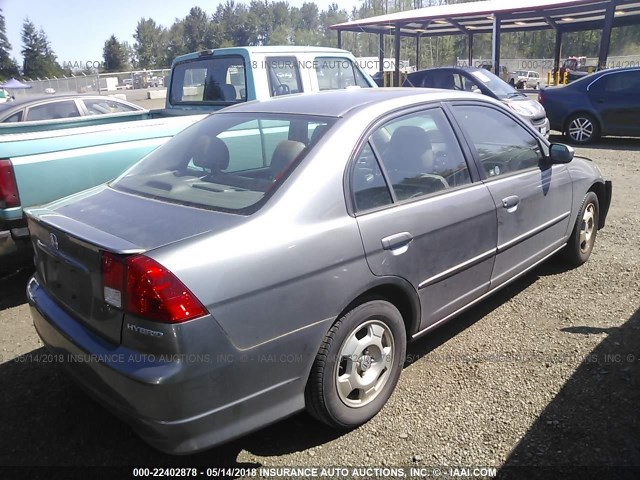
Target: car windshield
(229, 162)
(498, 86)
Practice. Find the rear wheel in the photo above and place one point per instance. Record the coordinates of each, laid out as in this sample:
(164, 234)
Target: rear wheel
(583, 237)
(358, 365)
(582, 128)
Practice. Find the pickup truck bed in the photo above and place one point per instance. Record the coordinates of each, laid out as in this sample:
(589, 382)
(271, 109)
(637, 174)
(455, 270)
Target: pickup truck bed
(47, 164)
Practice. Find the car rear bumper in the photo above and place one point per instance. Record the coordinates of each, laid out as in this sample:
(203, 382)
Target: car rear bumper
(106, 372)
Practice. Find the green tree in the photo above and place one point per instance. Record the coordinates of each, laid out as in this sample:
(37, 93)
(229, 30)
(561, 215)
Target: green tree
(151, 44)
(39, 58)
(196, 30)
(115, 55)
(8, 66)
(233, 28)
(176, 44)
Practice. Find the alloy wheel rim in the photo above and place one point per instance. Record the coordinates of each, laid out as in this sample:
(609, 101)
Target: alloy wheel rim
(581, 129)
(364, 363)
(587, 228)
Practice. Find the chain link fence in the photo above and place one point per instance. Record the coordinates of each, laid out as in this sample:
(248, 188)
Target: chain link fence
(103, 83)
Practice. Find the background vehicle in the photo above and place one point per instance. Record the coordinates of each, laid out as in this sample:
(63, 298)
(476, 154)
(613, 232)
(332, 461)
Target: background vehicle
(482, 81)
(577, 68)
(62, 106)
(524, 79)
(195, 264)
(200, 83)
(604, 103)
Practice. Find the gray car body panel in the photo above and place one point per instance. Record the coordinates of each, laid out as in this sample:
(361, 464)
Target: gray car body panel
(275, 281)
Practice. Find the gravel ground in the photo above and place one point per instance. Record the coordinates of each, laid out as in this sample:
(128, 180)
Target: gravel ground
(544, 373)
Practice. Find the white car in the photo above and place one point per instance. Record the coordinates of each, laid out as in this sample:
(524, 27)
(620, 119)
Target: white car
(525, 79)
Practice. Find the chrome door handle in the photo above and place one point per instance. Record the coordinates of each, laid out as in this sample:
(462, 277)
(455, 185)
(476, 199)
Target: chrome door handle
(397, 241)
(511, 202)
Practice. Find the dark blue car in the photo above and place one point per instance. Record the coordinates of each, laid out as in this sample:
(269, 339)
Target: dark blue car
(605, 103)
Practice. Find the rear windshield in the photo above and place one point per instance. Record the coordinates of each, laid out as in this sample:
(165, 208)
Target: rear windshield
(214, 80)
(229, 162)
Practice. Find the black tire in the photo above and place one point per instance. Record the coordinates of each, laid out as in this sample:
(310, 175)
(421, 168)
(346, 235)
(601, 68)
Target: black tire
(322, 397)
(583, 237)
(582, 128)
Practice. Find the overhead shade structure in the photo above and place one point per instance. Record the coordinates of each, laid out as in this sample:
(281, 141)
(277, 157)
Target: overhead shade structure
(13, 83)
(501, 16)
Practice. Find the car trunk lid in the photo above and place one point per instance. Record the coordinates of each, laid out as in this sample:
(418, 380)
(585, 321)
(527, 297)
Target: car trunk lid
(70, 238)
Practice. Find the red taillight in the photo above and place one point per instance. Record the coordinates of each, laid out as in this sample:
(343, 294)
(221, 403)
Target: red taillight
(145, 288)
(8, 188)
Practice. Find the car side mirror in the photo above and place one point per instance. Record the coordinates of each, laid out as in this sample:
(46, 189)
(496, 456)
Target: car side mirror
(560, 153)
(475, 89)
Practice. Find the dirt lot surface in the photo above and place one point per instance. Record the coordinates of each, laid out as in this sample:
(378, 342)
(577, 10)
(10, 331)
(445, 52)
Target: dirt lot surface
(545, 373)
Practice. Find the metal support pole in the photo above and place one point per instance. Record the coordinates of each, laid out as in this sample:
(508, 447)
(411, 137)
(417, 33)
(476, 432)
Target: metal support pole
(495, 50)
(396, 53)
(381, 53)
(557, 50)
(339, 38)
(470, 49)
(418, 52)
(605, 40)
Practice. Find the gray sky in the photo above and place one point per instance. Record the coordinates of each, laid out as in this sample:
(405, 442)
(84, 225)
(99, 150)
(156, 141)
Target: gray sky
(77, 29)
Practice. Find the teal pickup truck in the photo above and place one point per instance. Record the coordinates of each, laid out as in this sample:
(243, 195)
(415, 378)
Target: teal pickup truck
(43, 161)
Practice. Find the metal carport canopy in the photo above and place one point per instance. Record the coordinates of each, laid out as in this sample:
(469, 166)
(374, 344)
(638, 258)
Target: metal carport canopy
(499, 16)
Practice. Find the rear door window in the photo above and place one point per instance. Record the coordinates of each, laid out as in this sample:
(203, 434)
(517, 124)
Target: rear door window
(53, 110)
(16, 117)
(620, 83)
(419, 154)
(209, 80)
(103, 106)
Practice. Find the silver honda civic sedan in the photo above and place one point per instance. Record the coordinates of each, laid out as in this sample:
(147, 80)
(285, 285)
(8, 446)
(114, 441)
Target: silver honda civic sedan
(279, 256)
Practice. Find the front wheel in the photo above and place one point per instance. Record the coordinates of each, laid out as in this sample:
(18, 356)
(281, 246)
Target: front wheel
(582, 128)
(583, 237)
(358, 365)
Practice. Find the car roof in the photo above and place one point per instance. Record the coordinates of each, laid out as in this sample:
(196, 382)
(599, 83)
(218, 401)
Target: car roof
(263, 49)
(341, 103)
(588, 79)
